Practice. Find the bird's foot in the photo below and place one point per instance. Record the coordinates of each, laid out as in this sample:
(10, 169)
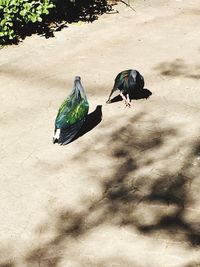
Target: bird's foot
(128, 103)
(108, 101)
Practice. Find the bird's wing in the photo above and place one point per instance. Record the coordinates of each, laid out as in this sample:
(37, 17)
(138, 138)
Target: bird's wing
(62, 112)
(141, 82)
(71, 111)
(69, 132)
(70, 118)
(121, 81)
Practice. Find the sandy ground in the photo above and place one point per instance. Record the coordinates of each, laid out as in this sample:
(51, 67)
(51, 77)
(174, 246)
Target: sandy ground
(126, 193)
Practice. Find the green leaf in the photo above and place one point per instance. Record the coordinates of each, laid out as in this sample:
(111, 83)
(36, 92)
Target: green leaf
(23, 12)
(50, 6)
(46, 11)
(34, 18)
(39, 12)
(39, 19)
(9, 23)
(3, 22)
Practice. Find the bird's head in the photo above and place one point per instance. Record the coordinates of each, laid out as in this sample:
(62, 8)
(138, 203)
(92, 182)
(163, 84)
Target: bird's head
(77, 78)
(132, 78)
(79, 91)
(133, 75)
(77, 82)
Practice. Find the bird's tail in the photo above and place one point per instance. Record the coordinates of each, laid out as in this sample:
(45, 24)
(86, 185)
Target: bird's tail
(68, 133)
(56, 135)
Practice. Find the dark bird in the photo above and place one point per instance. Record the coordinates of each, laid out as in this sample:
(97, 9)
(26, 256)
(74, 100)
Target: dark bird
(71, 114)
(127, 82)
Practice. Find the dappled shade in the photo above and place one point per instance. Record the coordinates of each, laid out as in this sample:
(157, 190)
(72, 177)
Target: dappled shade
(178, 68)
(80, 10)
(149, 203)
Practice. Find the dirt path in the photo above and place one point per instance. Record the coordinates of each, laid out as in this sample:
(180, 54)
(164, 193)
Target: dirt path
(126, 193)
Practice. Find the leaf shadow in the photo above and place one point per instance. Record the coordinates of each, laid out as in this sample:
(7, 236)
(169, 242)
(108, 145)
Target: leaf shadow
(125, 194)
(7, 264)
(178, 68)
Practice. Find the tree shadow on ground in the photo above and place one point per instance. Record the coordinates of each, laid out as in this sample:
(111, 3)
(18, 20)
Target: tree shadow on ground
(192, 264)
(172, 191)
(178, 68)
(148, 202)
(84, 10)
(125, 195)
(7, 264)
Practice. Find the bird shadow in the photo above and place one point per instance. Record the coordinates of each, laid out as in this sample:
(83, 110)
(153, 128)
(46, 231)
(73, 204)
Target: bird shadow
(92, 120)
(139, 94)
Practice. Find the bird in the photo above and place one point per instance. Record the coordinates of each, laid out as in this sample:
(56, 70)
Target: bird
(127, 82)
(71, 114)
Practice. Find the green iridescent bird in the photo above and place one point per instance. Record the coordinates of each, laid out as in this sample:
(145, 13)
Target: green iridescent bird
(71, 114)
(127, 82)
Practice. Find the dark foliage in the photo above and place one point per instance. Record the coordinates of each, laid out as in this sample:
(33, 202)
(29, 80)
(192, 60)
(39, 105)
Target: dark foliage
(21, 19)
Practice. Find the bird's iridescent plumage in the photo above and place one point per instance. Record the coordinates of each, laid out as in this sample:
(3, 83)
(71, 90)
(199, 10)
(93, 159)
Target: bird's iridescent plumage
(127, 82)
(71, 114)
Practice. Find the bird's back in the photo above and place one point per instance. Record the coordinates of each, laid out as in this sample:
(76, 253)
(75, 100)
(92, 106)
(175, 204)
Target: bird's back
(125, 82)
(121, 81)
(71, 114)
(72, 110)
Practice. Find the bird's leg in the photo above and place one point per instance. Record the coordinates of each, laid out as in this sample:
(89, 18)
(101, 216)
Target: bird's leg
(124, 98)
(128, 100)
